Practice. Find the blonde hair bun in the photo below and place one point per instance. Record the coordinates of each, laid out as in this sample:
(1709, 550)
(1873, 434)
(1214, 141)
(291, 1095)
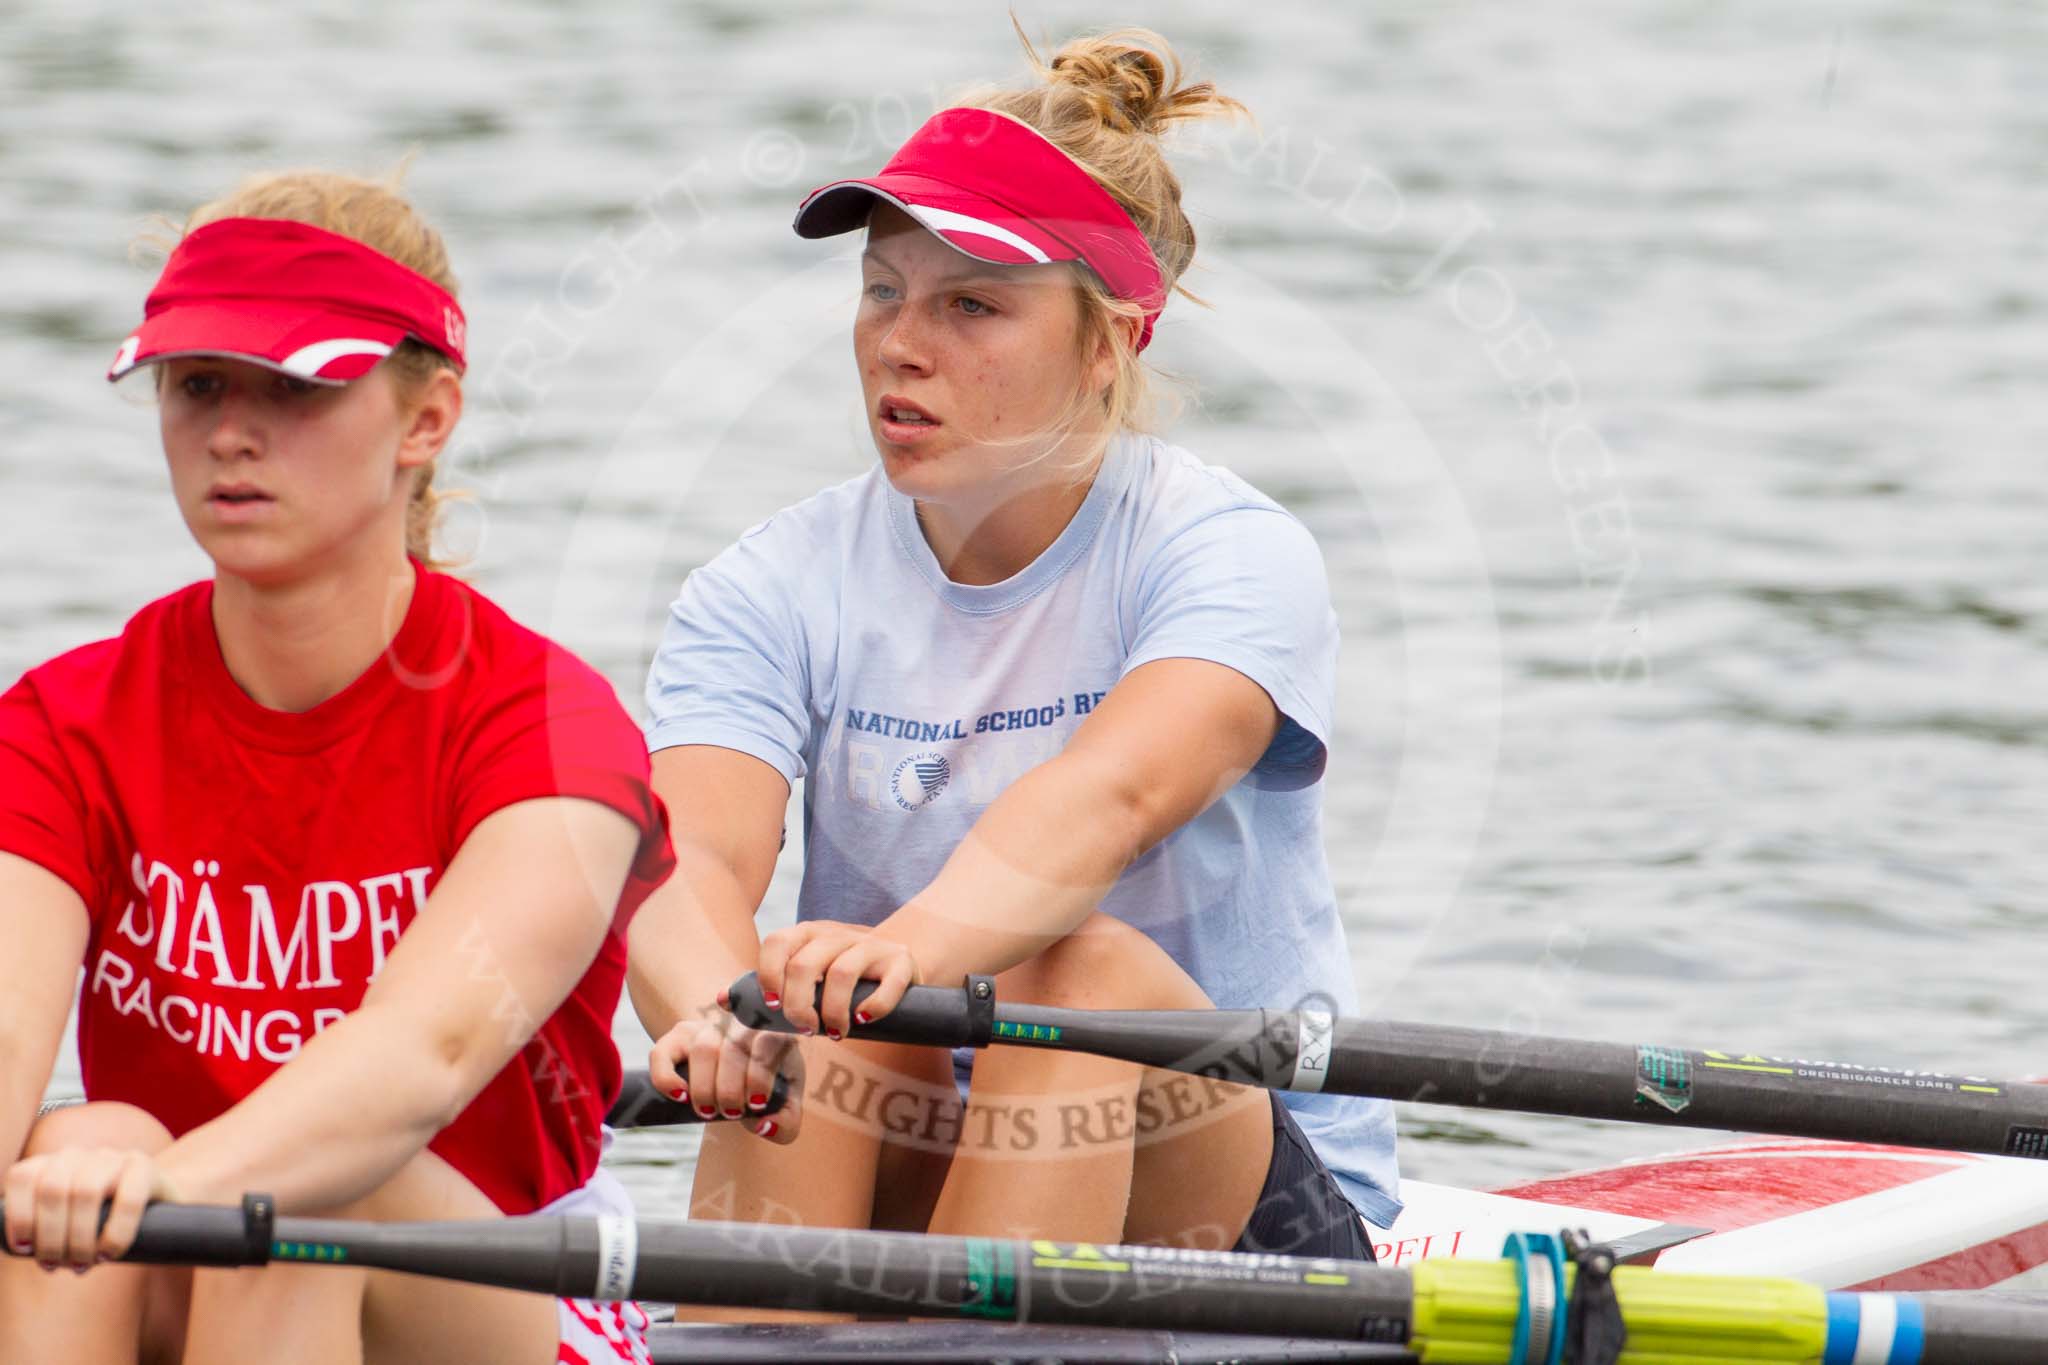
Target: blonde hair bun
(1133, 81)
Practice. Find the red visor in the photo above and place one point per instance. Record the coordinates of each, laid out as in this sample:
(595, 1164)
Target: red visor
(994, 189)
(292, 297)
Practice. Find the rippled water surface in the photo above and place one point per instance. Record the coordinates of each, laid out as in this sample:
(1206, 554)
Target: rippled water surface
(1662, 381)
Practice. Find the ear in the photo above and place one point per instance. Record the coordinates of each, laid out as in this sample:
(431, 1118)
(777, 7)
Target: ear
(431, 421)
(1102, 365)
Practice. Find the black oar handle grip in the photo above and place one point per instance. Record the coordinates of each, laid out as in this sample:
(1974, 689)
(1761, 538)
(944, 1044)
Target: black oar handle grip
(640, 1105)
(931, 1016)
(204, 1234)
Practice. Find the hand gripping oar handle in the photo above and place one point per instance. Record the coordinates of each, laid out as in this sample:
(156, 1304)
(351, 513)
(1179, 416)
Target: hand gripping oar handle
(640, 1105)
(205, 1234)
(932, 1016)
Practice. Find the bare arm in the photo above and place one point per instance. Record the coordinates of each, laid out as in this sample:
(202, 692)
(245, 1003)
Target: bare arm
(46, 934)
(696, 933)
(1164, 744)
(512, 926)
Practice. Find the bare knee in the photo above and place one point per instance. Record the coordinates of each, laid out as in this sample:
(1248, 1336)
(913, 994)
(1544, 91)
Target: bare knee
(102, 1124)
(1103, 964)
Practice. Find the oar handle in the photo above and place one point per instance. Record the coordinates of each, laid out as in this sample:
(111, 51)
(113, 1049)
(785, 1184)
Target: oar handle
(203, 1234)
(640, 1105)
(930, 1016)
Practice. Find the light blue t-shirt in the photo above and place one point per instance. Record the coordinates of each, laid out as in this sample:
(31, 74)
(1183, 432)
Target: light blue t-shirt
(828, 643)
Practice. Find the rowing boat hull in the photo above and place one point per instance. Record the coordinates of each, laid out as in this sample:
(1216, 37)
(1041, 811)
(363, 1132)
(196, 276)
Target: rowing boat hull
(1840, 1215)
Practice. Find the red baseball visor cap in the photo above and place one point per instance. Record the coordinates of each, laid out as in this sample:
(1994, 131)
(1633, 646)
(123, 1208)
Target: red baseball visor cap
(292, 297)
(995, 189)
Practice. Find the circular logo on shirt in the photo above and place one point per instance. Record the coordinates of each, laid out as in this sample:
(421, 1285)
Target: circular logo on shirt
(919, 779)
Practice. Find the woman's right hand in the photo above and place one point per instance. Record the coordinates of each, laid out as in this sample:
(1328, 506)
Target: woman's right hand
(722, 1068)
(55, 1203)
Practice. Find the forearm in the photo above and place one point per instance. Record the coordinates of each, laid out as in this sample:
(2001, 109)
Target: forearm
(28, 1051)
(46, 940)
(1033, 867)
(371, 1086)
(690, 940)
(24, 1069)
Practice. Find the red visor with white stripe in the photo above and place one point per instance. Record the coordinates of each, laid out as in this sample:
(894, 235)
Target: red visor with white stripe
(994, 189)
(292, 297)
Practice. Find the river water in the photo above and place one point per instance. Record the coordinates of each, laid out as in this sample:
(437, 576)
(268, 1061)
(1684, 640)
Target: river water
(1655, 377)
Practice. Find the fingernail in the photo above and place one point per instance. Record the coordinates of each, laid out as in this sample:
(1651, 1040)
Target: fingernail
(861, 1017)
(833, 1034)
(806, 1032)
(767, 1128)
(758, 1101)
(771, 1000)
(679, 1093)
(705, 1111)
(103, 1259)
(732, 1113)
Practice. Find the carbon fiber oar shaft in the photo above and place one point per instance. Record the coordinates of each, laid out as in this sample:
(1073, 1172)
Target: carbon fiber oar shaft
(1310, 1050)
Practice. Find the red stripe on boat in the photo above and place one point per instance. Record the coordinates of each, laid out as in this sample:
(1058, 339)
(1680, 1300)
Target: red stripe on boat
(1976, 1267)
(1738, 1187)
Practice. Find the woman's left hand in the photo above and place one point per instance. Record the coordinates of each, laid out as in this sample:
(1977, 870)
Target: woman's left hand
(54, 1203)
(795, 962)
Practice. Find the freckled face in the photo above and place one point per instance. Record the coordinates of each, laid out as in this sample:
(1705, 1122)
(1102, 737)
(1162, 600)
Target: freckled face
(964, 364)
(275, 475)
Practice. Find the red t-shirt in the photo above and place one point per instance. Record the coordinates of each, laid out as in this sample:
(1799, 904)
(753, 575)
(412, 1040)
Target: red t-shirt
(247, 870)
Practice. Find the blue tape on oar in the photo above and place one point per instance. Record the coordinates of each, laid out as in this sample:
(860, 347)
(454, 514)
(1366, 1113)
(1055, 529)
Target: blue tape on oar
(1845, 1319)
(1866, 1329)
(1912, 1333)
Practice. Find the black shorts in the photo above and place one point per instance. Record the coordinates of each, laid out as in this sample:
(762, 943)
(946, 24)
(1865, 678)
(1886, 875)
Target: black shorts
(1302, 1210)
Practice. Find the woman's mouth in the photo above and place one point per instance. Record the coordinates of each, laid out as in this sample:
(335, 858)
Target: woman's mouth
(903, 421)
(238, 501)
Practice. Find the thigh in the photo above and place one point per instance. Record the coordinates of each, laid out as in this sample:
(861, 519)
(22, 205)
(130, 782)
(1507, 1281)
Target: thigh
(857, 1097)
(310, 1315)
(1045, 1149)
(922, 1117)
(1204, 1152)
(870, 1152)
(1114, 1151)
(339, 1315)
(410, 1320)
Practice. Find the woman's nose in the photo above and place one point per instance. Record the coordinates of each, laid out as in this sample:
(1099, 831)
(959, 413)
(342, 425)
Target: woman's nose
(906, 345)
(237, 430)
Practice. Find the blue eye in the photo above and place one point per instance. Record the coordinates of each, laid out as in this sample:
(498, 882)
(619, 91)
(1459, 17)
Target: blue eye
(292, 384)
(200, 385)
(882, 293)
(974, 308)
